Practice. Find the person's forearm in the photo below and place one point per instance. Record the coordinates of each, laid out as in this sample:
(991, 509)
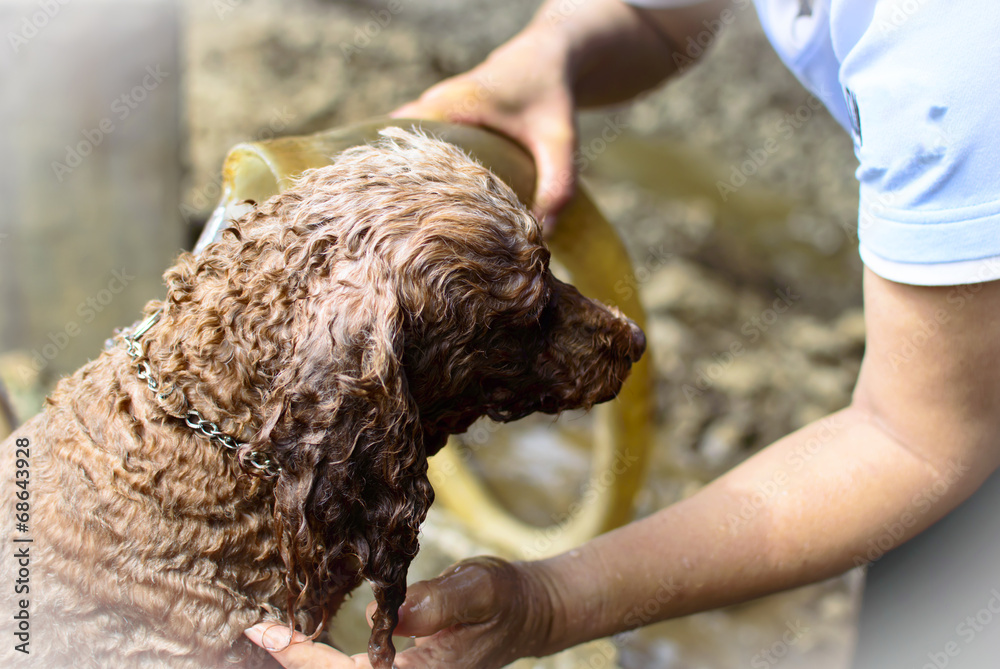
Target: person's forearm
(612, 51)
(833, 495)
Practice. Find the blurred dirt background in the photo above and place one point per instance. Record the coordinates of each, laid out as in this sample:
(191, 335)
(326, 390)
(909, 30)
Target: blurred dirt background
(753, 292)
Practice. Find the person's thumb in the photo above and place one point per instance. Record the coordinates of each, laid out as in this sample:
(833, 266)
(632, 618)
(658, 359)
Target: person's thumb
(295, 651)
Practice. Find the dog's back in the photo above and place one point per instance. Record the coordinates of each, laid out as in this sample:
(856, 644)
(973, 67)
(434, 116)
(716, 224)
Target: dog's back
(115, 559)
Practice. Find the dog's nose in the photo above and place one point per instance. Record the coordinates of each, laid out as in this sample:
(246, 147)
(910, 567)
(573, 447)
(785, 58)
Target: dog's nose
(638, 342)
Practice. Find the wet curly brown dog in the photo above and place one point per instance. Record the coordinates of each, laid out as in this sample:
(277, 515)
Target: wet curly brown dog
(341, 330)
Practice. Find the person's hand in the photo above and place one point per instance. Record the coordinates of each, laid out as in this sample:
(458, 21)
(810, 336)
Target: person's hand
(483, 613)
(522, 91)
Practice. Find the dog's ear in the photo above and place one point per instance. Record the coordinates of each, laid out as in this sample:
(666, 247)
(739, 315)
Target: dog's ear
(340, 420)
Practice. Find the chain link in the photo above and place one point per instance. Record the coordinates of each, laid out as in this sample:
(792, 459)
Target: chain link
(260, 462)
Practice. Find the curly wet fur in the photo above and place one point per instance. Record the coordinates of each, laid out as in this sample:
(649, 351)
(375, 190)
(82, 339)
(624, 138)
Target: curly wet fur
(344, 328)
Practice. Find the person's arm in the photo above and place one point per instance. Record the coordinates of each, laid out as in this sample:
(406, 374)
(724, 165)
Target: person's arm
(922, 433)
(578, 54)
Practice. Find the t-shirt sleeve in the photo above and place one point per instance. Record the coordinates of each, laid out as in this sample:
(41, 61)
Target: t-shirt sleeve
(663, 4)
(922, 87)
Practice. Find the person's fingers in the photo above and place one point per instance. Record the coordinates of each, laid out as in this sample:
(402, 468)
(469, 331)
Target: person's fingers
(553, 152)
(463, 594)
(444, 650)
(297, 653)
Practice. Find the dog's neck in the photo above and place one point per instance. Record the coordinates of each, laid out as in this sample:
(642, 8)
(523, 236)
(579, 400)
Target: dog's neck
(171, 398)
(165, 439)
(192, 375)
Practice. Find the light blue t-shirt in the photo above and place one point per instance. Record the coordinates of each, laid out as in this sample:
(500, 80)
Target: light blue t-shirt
(917, 84)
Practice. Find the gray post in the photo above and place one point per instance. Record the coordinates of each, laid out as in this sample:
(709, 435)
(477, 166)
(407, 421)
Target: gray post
(89, 172)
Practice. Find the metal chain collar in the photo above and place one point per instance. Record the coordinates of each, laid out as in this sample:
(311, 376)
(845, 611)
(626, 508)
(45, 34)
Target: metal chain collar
(261, 463)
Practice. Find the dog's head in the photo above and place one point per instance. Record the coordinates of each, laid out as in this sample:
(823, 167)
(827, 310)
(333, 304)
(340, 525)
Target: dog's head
(482, 327)
(381, 304)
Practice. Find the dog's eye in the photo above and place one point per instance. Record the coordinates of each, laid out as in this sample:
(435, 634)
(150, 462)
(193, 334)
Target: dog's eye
(547, 316)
